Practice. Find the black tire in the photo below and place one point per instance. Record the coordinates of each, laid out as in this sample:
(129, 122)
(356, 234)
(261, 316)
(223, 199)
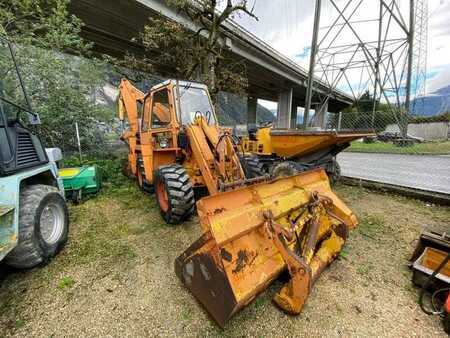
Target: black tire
(288, 168)
(447, 323)
(252, 166)
(143, 184)
(333, 170)
(33, 248)
(174, 193)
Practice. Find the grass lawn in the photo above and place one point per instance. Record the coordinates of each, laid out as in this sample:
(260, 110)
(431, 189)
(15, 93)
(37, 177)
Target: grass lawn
(115, 277)
(432, 148)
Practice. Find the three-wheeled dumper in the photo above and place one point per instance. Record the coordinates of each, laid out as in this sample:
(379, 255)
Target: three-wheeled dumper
(284, 152)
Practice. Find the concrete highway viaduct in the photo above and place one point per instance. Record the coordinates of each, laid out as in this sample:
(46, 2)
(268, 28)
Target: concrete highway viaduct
(112, 25)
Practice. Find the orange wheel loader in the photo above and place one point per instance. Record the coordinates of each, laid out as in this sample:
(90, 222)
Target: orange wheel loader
(253, 228)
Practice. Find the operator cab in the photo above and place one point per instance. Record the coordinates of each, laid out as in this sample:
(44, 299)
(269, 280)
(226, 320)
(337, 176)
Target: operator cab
(191, 100)
(19, 147)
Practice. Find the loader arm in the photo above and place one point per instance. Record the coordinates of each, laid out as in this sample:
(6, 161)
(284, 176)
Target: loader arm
(215, 155)
(129, 97)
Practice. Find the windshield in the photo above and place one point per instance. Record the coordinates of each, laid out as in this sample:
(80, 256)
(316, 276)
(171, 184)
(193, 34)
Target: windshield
(195, 101)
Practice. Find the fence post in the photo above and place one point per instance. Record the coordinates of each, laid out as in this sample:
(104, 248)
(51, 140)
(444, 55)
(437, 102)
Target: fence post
(78, 142)
(339, 121)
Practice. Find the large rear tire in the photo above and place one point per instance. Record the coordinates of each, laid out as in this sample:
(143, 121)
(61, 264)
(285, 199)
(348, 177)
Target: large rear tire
(43, 226)
(252, 166)
(174, 193)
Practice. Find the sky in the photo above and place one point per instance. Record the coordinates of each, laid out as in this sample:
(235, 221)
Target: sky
(287, 26)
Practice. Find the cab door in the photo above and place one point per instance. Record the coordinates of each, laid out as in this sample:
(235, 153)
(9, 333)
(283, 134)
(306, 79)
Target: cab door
(159, 141)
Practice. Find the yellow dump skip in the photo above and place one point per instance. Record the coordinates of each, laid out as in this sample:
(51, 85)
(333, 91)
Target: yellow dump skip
(295, 143)
(252, 234)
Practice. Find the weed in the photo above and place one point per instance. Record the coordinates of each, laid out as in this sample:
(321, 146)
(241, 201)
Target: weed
(260, 301)
(370, 225)
(66, 282)
(186, 314)
(344, 253)
(364, 269)
(351, 193)
(19, 323)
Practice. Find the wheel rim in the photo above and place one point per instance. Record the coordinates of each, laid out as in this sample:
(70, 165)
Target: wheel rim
(52, 223)
(162, 196)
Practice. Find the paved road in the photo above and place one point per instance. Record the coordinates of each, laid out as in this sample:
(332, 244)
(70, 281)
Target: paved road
(423, 172)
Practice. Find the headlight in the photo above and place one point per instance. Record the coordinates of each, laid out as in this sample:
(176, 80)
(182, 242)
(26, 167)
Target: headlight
(163, 143)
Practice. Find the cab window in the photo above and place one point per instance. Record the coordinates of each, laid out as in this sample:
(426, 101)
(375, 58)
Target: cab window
(145, 113)
(194, 102)
(160, 109)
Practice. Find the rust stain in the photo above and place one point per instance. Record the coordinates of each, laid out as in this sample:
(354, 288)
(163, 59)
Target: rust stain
(241, 261)
(226, 255)
(218, 211)
(244, 259)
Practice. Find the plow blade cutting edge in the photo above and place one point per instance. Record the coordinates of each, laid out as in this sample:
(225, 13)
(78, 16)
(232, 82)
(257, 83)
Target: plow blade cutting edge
(253, 234)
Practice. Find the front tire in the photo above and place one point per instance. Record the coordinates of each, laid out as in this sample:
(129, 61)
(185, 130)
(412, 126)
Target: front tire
(288, 168)
(43, 226)
(333, 170)
(174, 193)
(252, 166)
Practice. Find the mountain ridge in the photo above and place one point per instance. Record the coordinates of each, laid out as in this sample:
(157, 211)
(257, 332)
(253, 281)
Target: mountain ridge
(435, 103)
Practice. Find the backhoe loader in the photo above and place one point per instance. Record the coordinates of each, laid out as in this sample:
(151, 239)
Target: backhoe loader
(253, 227)
(175, 145)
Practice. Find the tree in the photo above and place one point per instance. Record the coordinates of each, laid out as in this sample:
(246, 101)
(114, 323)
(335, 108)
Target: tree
(362, 115)
(63, 87)
(199, 55)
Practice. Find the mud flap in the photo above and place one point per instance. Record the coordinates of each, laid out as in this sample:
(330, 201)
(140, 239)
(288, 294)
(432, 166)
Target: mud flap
(239, 256)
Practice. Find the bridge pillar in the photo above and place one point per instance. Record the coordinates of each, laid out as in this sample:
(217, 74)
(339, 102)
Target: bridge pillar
(284, 109)
(252, 105)
(320, 116)
(294, 116)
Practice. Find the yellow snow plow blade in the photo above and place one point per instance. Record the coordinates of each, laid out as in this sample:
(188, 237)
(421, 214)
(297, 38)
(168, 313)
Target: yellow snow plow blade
(254, 233)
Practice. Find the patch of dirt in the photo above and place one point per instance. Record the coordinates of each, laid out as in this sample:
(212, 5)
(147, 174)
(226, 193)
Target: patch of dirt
(116, 278)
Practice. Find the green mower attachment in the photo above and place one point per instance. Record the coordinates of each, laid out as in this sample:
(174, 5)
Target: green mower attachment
(79, 182)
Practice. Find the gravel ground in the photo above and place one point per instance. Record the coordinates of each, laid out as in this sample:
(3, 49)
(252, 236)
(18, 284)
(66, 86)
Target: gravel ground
(115, 278)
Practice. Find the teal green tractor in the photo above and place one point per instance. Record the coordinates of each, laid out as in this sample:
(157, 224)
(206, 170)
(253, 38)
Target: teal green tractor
(34, 221)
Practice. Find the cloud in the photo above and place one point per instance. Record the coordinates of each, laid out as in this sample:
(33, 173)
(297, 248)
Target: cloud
(439, 79)
(287, 26)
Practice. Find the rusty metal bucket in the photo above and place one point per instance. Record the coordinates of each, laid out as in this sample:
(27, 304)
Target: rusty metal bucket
(254, 233)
